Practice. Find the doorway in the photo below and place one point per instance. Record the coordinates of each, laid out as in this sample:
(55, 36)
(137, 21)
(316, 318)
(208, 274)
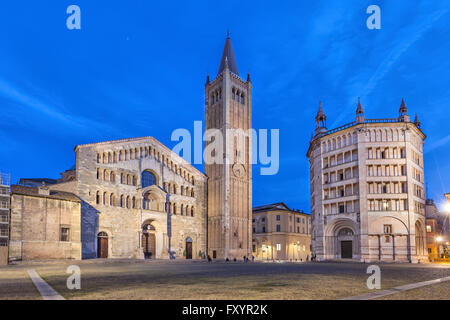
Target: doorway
(346, 249)
(148, 240)
(102, 245)
(188, 248)
(149, 245)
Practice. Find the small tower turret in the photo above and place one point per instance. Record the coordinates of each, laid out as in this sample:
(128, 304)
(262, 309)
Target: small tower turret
(403, 112)
(321, 120)
(359, 113)
(416, 121)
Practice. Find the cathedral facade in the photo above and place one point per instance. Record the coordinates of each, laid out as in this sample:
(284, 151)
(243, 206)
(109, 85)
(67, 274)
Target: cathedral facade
(367, 189)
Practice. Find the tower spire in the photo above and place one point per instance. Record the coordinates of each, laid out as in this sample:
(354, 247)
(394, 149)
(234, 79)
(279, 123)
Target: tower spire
(403, 109)
(228, 57)
(403, 112)
(321, 118)
(416, 121)
(359, 112)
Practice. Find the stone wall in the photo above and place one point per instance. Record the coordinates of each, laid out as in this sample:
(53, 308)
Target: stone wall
(3, 256)
(36, 225)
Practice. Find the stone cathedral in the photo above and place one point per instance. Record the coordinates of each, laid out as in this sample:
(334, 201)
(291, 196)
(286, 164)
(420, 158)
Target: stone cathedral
(135, 198)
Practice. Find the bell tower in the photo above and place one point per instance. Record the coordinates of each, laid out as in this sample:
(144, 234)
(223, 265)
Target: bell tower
(228, 110)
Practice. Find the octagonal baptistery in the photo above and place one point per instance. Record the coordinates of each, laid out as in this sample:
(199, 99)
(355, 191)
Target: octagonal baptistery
(138, 199)
(367, 189)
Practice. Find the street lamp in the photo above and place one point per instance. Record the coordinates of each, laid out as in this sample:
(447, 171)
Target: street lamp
(439, 239)
(447, 207)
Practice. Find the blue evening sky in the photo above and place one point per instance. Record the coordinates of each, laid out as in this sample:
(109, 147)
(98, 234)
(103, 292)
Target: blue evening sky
(138, 68)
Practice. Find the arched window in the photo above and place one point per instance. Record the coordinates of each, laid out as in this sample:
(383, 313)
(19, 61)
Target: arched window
(134, 203)
(192, 211)
(181, 209)
(97, 198)
(148, 179)
(112, 177)
(111, 199)
(121, 201)
(104, 198)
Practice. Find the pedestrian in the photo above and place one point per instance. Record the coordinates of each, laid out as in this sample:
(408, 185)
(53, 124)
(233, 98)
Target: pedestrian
(209, 259)
(253, 258)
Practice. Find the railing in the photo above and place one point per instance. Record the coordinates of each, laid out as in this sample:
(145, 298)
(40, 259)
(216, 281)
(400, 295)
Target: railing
(345, 126)
(354, 123)
(382, 120)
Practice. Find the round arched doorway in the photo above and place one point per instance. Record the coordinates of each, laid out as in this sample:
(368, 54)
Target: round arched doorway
(188, 248)
(345, 240)
(102, 245)
(420, 240)
(148, 241)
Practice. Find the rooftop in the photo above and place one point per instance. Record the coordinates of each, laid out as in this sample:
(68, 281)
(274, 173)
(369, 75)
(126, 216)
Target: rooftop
(34, 192)
(275, 206)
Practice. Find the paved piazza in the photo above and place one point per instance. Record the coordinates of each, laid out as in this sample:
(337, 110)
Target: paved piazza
(161, 279)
